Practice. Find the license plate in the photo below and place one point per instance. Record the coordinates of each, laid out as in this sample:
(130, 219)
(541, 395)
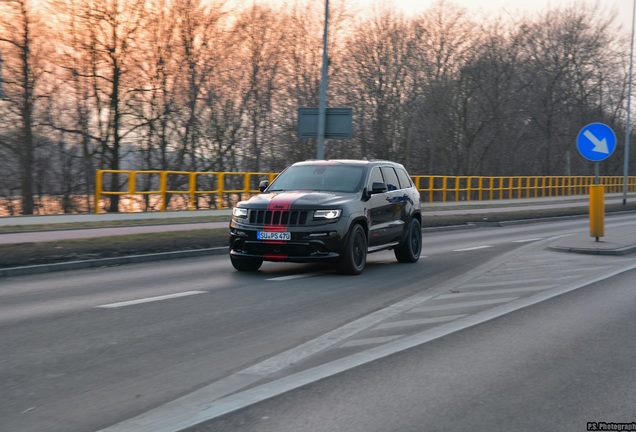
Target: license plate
(268, 235)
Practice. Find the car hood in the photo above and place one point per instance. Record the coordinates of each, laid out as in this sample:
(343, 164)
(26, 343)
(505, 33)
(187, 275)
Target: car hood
(297, 200)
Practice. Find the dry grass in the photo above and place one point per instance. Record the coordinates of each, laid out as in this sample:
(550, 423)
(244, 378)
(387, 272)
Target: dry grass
(70, 250)
(110, 224)
(103, 247)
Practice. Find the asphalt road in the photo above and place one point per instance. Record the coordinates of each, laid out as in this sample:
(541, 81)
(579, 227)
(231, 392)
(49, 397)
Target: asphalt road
(77, 357)
(563, 365)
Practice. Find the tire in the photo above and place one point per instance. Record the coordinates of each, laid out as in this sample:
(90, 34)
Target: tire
(246, 264)
(410, 249)
(354, 258)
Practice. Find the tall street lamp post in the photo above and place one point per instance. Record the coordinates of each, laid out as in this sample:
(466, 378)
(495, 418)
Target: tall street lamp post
(629, 99)
(1, 94)
(322, 104)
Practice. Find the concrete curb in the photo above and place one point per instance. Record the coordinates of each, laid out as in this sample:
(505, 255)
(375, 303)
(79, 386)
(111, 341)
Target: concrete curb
(547, 219)
(450, 228)
(595, 251)
(105, 262)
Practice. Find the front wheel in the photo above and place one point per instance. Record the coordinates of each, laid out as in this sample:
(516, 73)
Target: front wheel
(354, 258)
(246, 263)
(410, 249)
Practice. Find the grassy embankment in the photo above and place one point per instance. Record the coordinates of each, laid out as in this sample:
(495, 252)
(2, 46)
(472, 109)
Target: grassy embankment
(22, 254)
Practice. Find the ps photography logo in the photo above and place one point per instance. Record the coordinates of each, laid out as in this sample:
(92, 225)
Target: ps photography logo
(607, 426)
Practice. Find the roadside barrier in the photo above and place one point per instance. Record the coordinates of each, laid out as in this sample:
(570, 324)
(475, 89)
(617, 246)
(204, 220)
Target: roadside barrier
(151, 190)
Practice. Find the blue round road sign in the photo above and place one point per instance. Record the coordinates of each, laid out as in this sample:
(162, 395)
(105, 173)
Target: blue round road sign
(596, 142)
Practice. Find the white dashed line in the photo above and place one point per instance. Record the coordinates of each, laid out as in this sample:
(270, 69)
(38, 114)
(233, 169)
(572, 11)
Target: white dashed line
(418, 322)
(463, 305)
(150, 299)
(291, 277)
(528, 240)
(369, 341)
(472, 248)
(494, 292)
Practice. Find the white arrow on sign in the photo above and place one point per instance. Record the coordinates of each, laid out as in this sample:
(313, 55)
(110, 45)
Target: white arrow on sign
(599, 146)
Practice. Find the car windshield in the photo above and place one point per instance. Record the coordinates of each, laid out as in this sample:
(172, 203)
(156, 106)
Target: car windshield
(329, 178)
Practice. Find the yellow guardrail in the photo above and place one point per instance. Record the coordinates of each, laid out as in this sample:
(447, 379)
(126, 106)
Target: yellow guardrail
(474, 188)
(221, 185)
(190, 183)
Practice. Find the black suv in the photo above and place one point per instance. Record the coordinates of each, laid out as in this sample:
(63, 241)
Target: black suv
(334, 210)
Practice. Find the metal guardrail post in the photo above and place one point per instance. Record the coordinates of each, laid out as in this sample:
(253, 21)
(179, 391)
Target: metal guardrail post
(192, 189)
(163, 188)
(247, 184)
(221, 189)
(98, 189)
(132, 188)
(444, 188)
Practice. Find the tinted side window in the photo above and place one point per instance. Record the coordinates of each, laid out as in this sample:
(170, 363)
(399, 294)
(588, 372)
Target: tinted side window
(390, 178)
(405, 180)
(375, 176)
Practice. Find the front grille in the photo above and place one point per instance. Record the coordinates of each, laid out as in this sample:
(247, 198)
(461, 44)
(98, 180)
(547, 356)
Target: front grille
(277, 217)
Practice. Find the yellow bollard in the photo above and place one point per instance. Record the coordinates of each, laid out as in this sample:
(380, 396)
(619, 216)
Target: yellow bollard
(597, 211)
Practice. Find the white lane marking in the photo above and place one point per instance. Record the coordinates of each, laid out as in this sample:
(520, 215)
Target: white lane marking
(491, 292)
(207, 411)
(528, 240)
(416, 322)
(509, 283)
(369, 341)
(472, 248)
(462, 304)
(223, 396)
(290, 277)
(150, 299)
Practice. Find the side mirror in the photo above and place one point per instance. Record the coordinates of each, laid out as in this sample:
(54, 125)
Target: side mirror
(378, 187)
(263, 185)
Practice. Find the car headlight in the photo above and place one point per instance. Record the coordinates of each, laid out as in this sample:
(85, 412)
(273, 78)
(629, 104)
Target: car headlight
(327, 214)
(238, 212)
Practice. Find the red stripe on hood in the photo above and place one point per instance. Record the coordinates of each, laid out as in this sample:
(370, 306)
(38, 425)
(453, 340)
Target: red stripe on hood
(280, 203)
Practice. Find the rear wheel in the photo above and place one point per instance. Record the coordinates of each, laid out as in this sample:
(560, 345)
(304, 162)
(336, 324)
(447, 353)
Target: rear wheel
(246, 263)
(354, 258)
(410, 249)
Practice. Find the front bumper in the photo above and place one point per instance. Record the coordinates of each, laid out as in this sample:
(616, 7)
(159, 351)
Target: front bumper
(307, 244)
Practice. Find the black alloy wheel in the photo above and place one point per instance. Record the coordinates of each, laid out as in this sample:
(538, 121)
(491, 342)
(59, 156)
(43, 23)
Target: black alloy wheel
(354, 258)
(409, 251)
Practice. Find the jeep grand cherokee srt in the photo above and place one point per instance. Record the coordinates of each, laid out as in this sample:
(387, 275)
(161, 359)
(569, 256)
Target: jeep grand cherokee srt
(333, 210)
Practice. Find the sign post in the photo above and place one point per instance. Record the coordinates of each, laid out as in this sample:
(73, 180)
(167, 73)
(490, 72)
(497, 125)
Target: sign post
(596, 142)
(597, 211)
(322, 103)
(1, 93)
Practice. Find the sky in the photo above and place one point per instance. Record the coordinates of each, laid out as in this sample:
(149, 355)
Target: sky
(511, 8)
(514, 8)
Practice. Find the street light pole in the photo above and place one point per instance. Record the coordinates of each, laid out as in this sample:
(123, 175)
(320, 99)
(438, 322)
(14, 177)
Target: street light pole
(1, 94)
(629, 99)
(322, 104)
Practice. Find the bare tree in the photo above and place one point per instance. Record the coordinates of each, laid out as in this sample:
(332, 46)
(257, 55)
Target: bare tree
(488, 126)
(192, 85)
(71, 111)
(109, 29)
(153, 101)
(23, 68)
(379, 84)
(260, 40)
(444, 39)
(565, 56)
